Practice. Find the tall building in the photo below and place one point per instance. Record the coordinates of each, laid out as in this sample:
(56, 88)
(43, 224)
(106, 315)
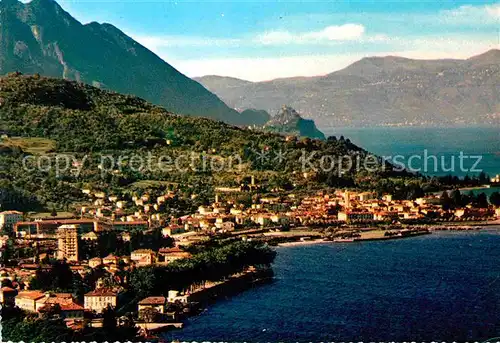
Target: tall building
(347, 199)
(9, 218)
(67, 242)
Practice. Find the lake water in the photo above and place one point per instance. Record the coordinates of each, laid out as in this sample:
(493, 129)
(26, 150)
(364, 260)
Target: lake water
(441, 287)
(444, 143)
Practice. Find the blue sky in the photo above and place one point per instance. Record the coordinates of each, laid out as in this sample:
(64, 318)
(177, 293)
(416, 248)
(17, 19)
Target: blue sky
(262, 40)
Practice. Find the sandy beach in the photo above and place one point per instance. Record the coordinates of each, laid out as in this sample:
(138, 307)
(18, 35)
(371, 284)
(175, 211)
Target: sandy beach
(308, 242)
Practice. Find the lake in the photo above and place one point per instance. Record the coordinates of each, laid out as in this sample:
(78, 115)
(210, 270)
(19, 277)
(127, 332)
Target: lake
(441, 287)
(444, 143)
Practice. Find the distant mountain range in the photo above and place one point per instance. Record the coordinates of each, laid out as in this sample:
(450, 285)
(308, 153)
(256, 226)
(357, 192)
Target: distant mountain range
(388, 90)
(40, 37)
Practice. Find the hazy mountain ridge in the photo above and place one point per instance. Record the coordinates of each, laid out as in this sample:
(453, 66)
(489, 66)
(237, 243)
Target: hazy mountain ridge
(40, 37)
(383, 91)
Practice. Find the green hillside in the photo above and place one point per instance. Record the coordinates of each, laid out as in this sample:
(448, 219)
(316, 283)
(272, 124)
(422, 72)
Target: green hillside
(48, 118)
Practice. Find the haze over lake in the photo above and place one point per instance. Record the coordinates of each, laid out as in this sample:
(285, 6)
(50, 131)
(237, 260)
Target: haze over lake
(441, 142)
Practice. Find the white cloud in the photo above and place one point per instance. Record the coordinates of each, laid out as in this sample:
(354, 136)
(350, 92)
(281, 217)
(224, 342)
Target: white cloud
(346, 32)
(478, 15)
(342, 32)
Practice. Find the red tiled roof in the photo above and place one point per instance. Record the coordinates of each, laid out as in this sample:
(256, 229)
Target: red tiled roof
(11, 212)
(33, 295)
(106, 292)
(58, 222)
(138, 222)
(170, 250)
(143, 251)
(71, 307)
(153, 301)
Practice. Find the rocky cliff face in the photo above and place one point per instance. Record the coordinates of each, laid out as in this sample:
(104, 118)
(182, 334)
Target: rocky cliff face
(288, 121)
(40, 37)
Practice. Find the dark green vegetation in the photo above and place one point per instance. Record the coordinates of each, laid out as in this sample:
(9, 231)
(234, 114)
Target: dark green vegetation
(259, 117)
(40, 37)
(209, 263)
(457, 199)
(380, 91)
(288, 121)
(85, 123)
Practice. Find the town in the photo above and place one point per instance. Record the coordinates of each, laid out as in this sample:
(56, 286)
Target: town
(111, 237)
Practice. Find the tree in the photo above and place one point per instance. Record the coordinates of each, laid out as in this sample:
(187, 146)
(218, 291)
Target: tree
(445, 201)
(482, 200)
(149, 315)
(109, 319)
(59, 277)
(456, 197)
(483, 178)
(495, 198)
(35, 330)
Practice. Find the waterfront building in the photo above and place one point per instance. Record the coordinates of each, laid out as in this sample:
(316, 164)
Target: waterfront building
(173, 297)
(355, 216)
(67, 243)
(157, 303)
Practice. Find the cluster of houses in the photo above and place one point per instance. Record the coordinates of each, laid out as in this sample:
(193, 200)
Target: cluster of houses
(111, 213)
(115, 208)
(95, 302)
(352, 207)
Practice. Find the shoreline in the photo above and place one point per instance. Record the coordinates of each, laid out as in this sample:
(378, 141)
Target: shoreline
(415, 232)
(300, 243)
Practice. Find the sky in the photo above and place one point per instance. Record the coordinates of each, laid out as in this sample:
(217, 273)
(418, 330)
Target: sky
(263, 40)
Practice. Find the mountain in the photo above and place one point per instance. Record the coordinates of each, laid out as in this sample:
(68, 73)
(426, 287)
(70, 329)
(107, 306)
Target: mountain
(382, 91)
(40, 37)
(288, 121)
(214, 82)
